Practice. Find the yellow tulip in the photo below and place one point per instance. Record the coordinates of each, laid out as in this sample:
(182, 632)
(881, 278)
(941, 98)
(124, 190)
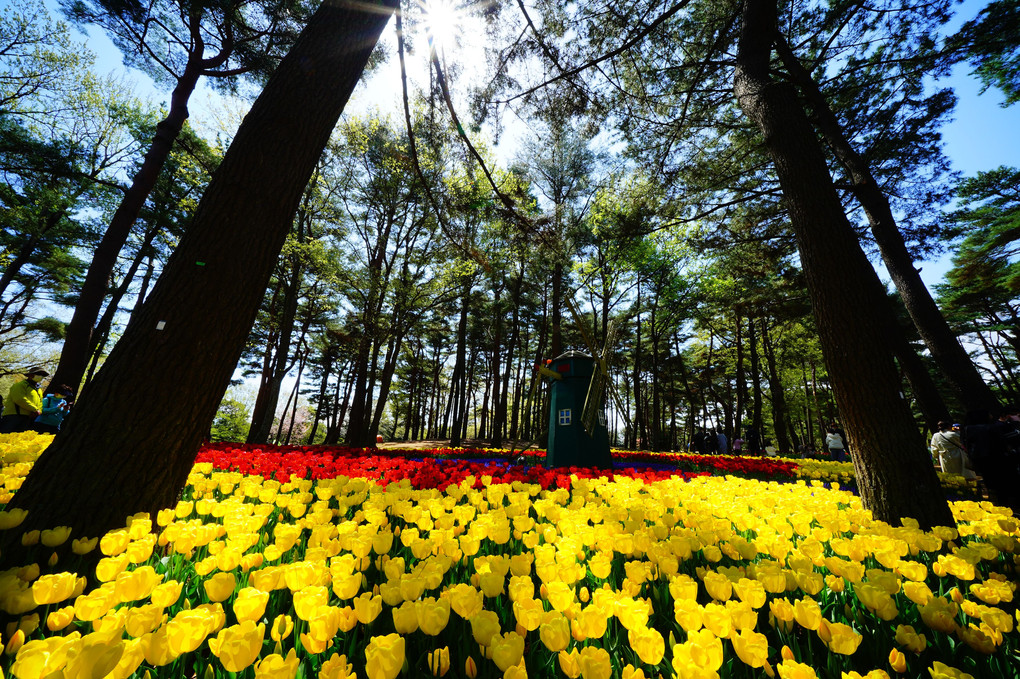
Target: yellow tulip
(840, 638)
(439, 661)
(115, 542)
(807, 613)
(631, 672)
(250, 604)
(82, 546)
(687, 614)
(470, 668)
(336, 667)
(897, 661)
(60, 618)
(555, 633)
(12, 518)
(648, 644)
(466, 601)
(942, 671)
(97, 654)
(41, 657)
(143, 619)
(433, 615)
(718, 586)
(384, 656)
(790, 669)
(484, 627)
(283, 625)
(219, 587)
(156, 648)
(188, 629)
(751, 591)
(368, 607)
(595, 663)
(52, 589)
(308, 600)
(405, 618)
(238, 646)
(167, 594)
(507, 650)
(751, 647)
(56, 536)
(137, 584)
(277, 667)
(529, 613)
(939, 614)
(716, 618)
(570, 663)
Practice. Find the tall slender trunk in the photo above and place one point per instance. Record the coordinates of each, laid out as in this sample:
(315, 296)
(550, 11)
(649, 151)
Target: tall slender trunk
(741, 381)
(892, 465)
(74, 355)
(779, 411)
(136, 457)
(945, 350)
(457, 387)
(752, 347)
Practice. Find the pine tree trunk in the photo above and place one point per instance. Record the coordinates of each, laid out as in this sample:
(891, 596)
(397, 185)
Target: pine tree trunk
(74, 355)
(894, 472)
(779, 411)
(135, 432)
(945, 350)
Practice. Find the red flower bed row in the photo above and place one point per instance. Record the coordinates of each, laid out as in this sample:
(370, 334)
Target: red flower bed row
(325, 462)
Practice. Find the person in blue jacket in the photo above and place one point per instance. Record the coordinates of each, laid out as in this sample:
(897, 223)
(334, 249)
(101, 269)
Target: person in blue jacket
(55, 406)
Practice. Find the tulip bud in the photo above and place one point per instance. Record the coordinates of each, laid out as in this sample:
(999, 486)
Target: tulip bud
(52, 561)
(787, 653)
(470, 668)
(898, 661)
(14, 645)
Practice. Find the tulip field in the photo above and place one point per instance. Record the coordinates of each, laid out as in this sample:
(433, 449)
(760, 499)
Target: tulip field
(331, 563)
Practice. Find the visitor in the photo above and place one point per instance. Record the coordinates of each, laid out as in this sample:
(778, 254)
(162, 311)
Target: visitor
(724, 444)
(753, 441)
(834, 442)
(989, 450)
(23, 403)
(55, 407)
(738, 446)
(698, 441)
(947, 449)
(711, 442)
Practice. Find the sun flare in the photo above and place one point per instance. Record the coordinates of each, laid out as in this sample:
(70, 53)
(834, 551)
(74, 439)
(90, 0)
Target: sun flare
(444, 21)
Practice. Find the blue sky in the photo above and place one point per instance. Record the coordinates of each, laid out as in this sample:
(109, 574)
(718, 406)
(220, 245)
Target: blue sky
(982, 135)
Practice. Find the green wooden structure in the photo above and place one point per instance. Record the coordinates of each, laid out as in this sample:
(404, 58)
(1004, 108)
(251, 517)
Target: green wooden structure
(577, 413)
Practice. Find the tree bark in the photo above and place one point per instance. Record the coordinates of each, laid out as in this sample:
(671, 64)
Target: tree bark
(779, 410)
(74, 354)
(128, 454)
(945, 349)
(894, 472)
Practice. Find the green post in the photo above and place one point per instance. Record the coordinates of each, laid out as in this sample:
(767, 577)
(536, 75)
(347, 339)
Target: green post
(569, 444)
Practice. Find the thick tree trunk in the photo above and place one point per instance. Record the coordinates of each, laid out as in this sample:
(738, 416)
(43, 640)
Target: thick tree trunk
(945, 350)
(136, 456)
(893, 468)
(74, 355)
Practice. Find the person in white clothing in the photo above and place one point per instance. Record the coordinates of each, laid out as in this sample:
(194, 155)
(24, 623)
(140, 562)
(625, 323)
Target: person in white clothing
(948, 450)
(834, 442)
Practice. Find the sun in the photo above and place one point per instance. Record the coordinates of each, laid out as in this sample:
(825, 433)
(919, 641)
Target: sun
(444, 21)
